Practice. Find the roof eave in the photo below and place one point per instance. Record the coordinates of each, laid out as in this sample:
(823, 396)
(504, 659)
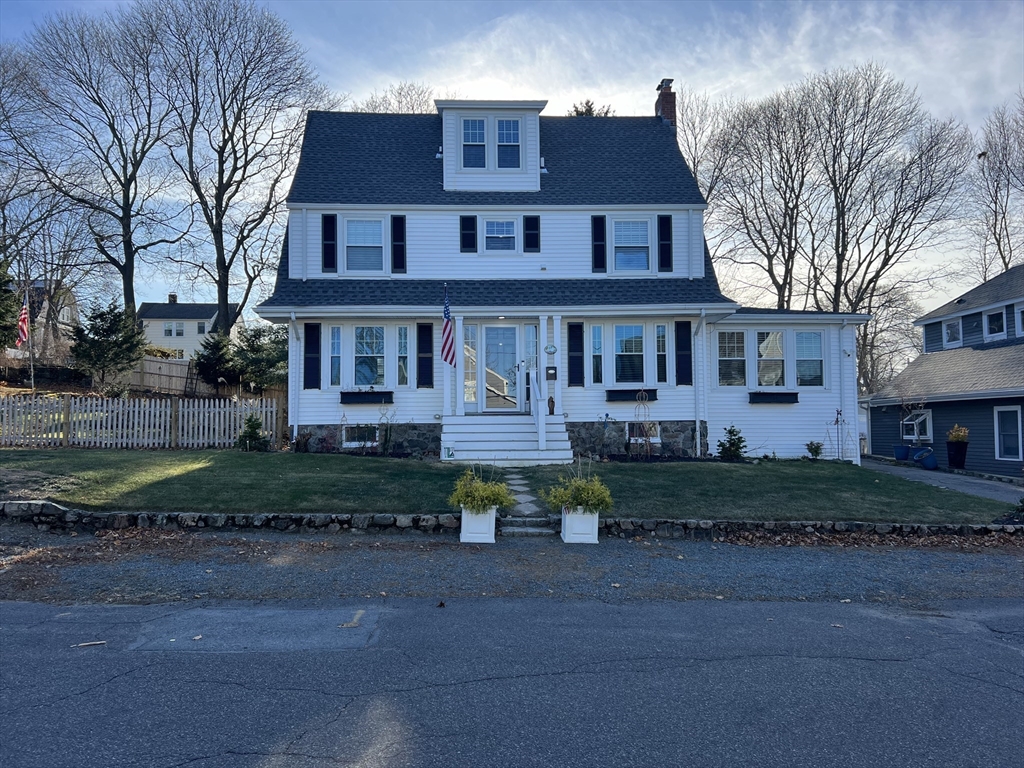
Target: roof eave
(983, 394)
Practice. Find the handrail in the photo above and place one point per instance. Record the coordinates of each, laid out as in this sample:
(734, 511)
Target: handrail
(537, 408)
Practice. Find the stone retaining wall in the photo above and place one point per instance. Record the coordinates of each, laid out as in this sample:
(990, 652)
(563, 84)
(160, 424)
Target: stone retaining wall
(46, 515)
(404, 439)
(677, 439)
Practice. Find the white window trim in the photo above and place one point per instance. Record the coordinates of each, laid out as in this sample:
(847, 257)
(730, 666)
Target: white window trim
(589, 369)
(169, 330)
(1020, 428)
(409, 357)
(462, 142)
(385, 246)
(201, 332)
(655, 439)
(652, 266)
(927, 413)
(788, 361)
(497, 143)
(953, 344)
(491, 142)
(993, 336)
(718, 358)
(351, 364)
(517, 222)
(341, 357)
(1018, 316)
(645, 362)
(824, 359)
(356, 444)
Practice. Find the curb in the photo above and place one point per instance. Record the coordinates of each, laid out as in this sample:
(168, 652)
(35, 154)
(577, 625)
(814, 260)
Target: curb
(46, 516)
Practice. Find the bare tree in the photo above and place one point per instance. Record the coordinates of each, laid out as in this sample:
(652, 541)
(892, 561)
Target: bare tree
(240, 89)
(405, 97)
(587, 108)
(997, 223)
(890, 340)
(90, 123)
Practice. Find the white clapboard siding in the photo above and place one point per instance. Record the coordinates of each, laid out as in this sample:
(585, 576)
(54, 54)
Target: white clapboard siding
(28, 421)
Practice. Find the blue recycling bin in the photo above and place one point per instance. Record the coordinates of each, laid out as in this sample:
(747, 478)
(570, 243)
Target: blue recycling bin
(926, 458)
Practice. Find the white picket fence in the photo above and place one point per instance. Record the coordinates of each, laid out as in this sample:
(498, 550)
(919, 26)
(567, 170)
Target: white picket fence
(28, 421)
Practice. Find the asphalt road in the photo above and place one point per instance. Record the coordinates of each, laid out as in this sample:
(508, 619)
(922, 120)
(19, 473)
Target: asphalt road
(266, 651)
(512, 682)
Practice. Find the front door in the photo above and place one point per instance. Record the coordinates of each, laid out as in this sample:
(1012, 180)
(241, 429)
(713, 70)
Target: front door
(499, 375)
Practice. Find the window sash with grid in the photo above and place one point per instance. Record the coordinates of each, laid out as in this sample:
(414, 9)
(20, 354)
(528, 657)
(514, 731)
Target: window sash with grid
(732, 359)
(629, 353)
(500, 235)
(632, 245)
(474, 143)
(369, 356)
(810, 363)
(508, 144)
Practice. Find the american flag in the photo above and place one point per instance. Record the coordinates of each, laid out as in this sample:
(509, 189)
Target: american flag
(447, 334)
(23, 323)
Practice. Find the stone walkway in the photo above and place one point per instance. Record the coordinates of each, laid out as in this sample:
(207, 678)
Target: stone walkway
(528, 504)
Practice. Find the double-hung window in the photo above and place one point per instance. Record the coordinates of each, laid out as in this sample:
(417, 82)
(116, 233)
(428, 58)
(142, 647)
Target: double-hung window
(364, 245)
(201, 328)
(632, 245)
(629, 353)
(1008, 433)
(168, 329)
(771, 362)
(810, 365)
(403, 355)
(951, 336)
(500, 235)
(335, 356)
(474, 144)
(508, 144)
(732, 361)
(369, 356)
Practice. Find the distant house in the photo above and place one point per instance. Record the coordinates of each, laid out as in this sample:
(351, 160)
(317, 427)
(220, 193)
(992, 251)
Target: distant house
(971, 374)
(176, 326)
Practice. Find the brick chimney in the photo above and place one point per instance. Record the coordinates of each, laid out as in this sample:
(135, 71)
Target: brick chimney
(665, 106)
(172, 298)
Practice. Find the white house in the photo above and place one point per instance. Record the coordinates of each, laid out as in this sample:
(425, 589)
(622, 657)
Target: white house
(585, 311)
(179, 327)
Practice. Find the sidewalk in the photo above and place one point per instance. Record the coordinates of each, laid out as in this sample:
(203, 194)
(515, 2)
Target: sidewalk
(975, 486)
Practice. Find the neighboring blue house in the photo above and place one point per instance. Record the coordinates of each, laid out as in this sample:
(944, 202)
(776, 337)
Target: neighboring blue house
(971, 374)
(586, 316)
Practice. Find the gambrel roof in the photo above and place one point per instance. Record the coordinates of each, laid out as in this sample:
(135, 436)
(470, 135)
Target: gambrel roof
(352, 158)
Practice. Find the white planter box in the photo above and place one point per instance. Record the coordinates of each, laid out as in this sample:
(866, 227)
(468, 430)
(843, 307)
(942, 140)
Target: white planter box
(477, 528)
(578, 527)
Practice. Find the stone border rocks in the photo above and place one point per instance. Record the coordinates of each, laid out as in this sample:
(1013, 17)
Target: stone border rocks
(46, 515)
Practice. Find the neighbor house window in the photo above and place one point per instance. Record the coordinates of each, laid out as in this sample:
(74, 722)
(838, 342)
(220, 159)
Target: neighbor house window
(771, 363)
(360, 435)
(918, 427)
(403, 355)
(500, 235)
(951, 333)
(508, 143)
(732, 361)
(810, 367)
(474, 154)
(1008, 433)
(632, 245)
(201, 329)
(995, 325)
(629, 353)
(597, 353)
(369, 355)
(364, 245)
(335, 356)
(168, 329)
(661, 349)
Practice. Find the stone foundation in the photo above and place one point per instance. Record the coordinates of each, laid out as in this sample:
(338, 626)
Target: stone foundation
(597, 438)
(393, 440)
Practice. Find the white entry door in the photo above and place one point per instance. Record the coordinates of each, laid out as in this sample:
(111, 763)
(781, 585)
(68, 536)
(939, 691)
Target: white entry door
(499, 375)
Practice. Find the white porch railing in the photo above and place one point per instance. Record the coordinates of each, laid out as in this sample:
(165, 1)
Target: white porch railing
(537, 407)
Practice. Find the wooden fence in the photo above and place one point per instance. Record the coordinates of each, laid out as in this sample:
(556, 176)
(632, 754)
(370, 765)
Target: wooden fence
(100, 422)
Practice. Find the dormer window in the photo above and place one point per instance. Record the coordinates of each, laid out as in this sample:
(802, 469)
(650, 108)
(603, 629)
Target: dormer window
(508, 144)
(951, 333)
(995, 326)
(474, 144)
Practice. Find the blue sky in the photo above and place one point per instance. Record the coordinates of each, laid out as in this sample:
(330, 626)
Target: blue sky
(964, 57)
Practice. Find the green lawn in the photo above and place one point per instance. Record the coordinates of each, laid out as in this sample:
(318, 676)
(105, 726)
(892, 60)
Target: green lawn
(231, 481)
(780, 490)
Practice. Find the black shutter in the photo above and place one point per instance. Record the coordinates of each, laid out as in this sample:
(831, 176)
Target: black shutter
(531, 234)
(329, 243)
(598, 239)
(397, 244)
(424, 355)
(684, 354)
(467, 234)
(311, 356)
(664, 243)
(575, 354)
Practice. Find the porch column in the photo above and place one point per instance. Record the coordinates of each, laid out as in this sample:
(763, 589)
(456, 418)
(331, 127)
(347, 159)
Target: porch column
(460, 368)
(542, 359)
(557, 341)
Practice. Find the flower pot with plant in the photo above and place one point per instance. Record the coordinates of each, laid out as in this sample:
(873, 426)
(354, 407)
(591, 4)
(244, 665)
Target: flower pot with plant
(956, 446)
(479, 500)
(580, 497)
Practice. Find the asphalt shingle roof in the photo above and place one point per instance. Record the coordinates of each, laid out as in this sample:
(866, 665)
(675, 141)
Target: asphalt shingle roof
(552, 293)
(351, 158)
(1004, 287)
(180, 311)
(998, 366)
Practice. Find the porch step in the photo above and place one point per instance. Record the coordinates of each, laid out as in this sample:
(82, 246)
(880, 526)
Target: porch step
(525, 526)
(504, 440)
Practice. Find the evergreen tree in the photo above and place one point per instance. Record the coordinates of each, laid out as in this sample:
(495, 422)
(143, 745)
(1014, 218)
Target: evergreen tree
(215, 361)
(110, 343)
(588, 109)
(261, 356)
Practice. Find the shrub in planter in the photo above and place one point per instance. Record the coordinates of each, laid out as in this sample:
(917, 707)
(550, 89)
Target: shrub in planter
(479, 500)
(579, 497)
(956, 446)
